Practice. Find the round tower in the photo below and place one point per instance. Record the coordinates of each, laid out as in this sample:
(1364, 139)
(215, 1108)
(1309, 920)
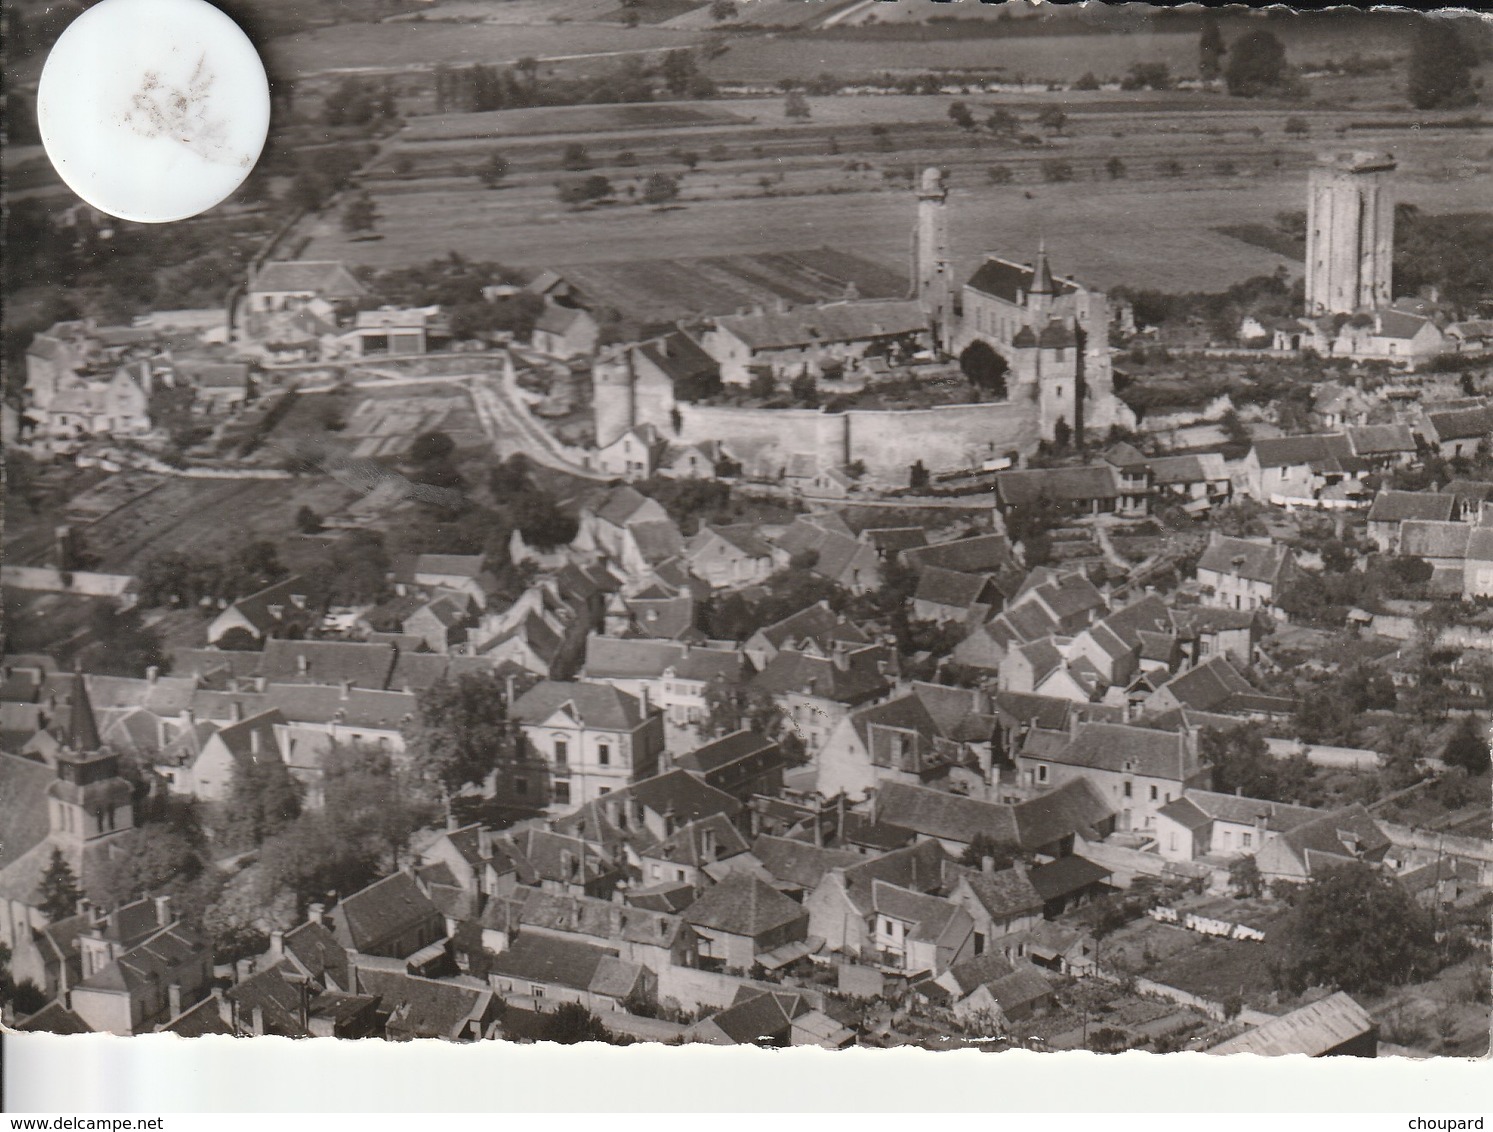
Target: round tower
(614, 394)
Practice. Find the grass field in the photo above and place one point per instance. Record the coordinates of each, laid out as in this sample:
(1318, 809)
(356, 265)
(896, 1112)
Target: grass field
(416, 44)
(570, 119)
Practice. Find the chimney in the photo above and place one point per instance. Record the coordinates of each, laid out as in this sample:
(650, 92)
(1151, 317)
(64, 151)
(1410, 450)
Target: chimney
(643, 697)
(567, 865)
(224, 1007)
(188, 717)
(840, 818)
(484, 843)
(840, 660)
(163, 911)
(1019, 868)
(346, 686)
(254, 742)
(243, 969)
(302, 665)
(452, 824)
(257, 1021)
(987, 865)
(236, 711)
(315, 912)
(871, 810)
(508, 685)
(277, 944)
(708, 847)
(152, 673)
(173, 1000)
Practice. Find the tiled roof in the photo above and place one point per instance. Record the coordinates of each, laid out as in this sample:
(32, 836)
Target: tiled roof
(621, 504)
(1424, 539)
(830, 322)
(817, 623)
(278, 1002)
(919, 867)
(1020, 988)
(1461, 424)
(952, 817)
(951, 588)
(1277, 816)
(1006, 893)
(1003, 279)
(894, 540)
(1311, 1030)
(1076, 806)
(1210, 685)
(980, 554)
(420, 1007)
(1378, 440)
(646, 658)
(699, 843)
(598, 706)
(328, 278)
(679, 357)
(1115, 747)
(317, 950)
(743, 905)
(979, 970)
(1056, 485)
(928, 915)
(1299, 451)
(728, 749)
(742, 536)
(1480, 545)
(1067, 875)
(1397, 506)
(383, 909)
(327, 662)
(1255, 561)
(1324, 834)
(849, 679)
(1185, 813)
(799, 863)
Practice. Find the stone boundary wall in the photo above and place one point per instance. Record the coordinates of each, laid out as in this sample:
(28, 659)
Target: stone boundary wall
(48, 579)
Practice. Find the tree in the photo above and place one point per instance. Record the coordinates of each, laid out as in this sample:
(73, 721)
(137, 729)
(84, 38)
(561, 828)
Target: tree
(1056, 170)
(151, 858)
(575, 158)
(1088, 81)
(917, 475)
(762, 385)
(1244, 877)
(460, 730)
(1297, 128)
(722, 10)
(124, 644)
(1171, 168)
(1468, 746)
(1322, 941)
(660, 188)
(371, 803)
(1257, 64)
(1440, 70)
(678, 70)
(541, 521)
(1052, 119)
(262, 800)
(796, 106)
(985, 368)
(1211, 49)
(1002, 122)
(1148, 76)
(58, 889)
(1062, 434)
(307, 521)
(961, 116)
(360, 215)
(581, 190)
(805, 391)
(494, 170)
(1115, 168)
(999, 174)
(571, 1023)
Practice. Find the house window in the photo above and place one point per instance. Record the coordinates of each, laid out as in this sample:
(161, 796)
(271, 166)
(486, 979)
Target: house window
(1041, 772)
(604, 790)
(1246, 840)
(1128, 790)
(536, 990)
(1154, 793)
(604, 754)
(1227, 836)
(979, 943)
(1172, 843)
(562, 793)
(562, 752)
(886, 927)
(521, 786)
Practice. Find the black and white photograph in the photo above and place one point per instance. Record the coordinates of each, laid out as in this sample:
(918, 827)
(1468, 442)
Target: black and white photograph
(774, 523)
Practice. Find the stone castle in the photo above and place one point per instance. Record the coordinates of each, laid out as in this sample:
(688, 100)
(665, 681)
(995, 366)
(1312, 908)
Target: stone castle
(1046, 336)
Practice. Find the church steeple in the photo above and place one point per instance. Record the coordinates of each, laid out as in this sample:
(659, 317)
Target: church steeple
(82, 731)
(1041, 273)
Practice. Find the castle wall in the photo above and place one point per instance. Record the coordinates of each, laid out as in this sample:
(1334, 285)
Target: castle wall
(946, 438)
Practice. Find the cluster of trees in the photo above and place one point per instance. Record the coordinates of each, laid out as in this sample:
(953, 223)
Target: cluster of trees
(358, 101)
(481, 87)
(1439, 74)
(1242, 763)
(185, 577)
(460, 732)
(1219, 311)
(319, 176)
(455, 283)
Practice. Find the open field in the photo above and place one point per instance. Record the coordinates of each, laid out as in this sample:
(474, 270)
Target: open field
(571, 119)
(422, 44)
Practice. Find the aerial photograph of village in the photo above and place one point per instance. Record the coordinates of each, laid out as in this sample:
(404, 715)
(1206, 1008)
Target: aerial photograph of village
(833, 523)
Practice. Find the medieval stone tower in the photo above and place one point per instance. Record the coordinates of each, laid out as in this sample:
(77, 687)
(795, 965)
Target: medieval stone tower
(932, 271)
(1350, 234)
(613, 391)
